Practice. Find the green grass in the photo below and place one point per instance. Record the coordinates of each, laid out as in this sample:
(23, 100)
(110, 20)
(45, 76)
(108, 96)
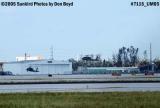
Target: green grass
(81, 100)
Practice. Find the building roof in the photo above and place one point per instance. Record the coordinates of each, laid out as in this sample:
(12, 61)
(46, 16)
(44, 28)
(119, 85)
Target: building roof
(39, 62)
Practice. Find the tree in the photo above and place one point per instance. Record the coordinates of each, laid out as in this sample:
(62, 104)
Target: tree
(98, 57)
(74, 64)
(114, 59)
(133, 53)
(157, 63)
(119, 58)
(126, 57)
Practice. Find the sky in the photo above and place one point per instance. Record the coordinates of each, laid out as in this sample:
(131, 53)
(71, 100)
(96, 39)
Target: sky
(89, 27)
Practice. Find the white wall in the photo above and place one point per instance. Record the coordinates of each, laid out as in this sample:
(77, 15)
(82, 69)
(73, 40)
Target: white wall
(43, 67)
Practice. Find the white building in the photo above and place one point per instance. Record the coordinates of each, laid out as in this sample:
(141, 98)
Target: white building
(38, 67)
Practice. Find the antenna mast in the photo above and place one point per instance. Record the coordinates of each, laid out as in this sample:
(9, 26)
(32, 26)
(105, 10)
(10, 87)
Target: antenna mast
(151, 62)
(150, 53)
(51, 53)
(25, 56)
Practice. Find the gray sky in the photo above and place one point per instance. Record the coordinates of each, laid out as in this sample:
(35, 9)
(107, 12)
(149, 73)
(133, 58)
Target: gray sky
(89, 27)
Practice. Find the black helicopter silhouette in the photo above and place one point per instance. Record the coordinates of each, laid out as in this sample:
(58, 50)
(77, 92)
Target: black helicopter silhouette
(32, 69)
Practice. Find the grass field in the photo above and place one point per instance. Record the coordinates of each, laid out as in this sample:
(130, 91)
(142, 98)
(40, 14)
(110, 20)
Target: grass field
(81, 100)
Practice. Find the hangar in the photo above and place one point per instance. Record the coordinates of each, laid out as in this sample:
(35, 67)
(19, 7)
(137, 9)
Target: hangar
(30, 67)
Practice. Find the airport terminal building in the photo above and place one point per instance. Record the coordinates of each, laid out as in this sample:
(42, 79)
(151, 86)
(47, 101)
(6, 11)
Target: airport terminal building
(30, 67)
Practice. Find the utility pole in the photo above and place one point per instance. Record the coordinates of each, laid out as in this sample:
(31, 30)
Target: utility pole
(151, 62)
(150, 53)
